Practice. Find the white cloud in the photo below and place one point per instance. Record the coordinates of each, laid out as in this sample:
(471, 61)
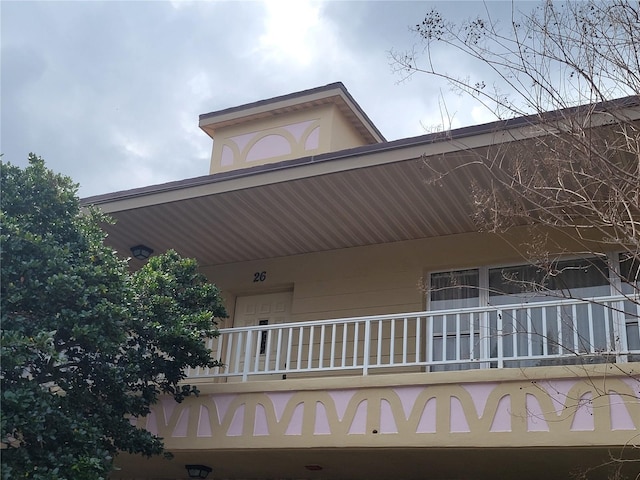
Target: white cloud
(132, 146)
(110, 92)
(200, 86)
(480, 114)
(294, 31)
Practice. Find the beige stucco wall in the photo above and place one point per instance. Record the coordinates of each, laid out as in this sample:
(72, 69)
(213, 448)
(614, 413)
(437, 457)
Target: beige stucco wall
(343, 135)
(431, 420)
(581, 405)
(378, 279)
(293, 135)
(276, 125)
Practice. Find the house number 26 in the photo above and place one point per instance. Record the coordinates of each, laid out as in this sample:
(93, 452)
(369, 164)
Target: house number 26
(259, 276)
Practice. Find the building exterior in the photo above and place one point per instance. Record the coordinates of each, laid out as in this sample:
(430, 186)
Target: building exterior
(371, 331)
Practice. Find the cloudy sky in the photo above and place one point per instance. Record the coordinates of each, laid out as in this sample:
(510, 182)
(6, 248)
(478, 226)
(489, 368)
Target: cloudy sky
(109, 92)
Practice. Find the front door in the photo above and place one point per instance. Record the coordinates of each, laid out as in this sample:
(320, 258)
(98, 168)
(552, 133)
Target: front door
(270, 307)
(254, 310)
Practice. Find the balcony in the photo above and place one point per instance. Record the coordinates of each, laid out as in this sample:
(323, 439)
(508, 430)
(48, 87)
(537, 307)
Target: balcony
(323, 399)
(556, 332)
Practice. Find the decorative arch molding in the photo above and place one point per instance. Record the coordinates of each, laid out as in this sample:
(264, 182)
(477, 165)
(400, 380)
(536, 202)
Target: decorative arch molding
(495, 414)
(229, 154)
(269, 146)
(300, 130)
(312, 139)
(293, 140)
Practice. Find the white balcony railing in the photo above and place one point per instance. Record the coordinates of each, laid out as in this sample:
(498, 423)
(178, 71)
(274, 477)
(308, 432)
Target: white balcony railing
(603, 329)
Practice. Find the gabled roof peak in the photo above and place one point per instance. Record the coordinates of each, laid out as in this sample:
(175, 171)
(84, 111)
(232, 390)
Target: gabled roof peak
(310, 122)
(333, 93)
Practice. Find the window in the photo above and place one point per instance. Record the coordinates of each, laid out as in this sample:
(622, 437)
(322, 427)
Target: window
(580, 278)
(630, 273)
(630, 276)
(455, 336)
(457, 289)
(519, 334)
(263, 337)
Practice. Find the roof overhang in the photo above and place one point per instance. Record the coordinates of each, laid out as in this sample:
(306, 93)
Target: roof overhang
(355, 198)
(363, 196)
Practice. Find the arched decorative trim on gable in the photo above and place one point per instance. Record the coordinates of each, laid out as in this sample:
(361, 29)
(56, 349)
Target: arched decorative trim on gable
(227, 157)
(312, 141)
(267, 147)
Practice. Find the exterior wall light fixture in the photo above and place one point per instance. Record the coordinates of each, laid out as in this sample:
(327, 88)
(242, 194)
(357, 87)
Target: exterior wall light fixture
(141, 252)
(198, 471)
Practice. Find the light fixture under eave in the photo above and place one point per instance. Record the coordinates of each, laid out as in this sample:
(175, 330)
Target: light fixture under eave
(141, 252)
(198, 471)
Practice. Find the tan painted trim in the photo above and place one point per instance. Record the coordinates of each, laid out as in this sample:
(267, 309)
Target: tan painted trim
(535, 407)
(340, 161)
(630, 370)
(211, 122)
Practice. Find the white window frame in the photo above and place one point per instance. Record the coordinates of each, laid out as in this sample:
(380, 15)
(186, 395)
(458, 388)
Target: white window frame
(615, 287)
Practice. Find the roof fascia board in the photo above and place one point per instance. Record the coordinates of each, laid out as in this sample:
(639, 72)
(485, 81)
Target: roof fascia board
(309, 96)
(265, 108)
(361, 157)
(307, 167)
(362, 117)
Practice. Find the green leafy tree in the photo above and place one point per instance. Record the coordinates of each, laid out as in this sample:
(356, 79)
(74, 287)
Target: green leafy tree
(86, 345)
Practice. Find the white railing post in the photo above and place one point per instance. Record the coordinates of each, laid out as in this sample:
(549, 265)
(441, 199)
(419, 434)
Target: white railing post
(356, 340)
(287, 363)
(574, 326)
(430, 339)
(499, 335)
(366, 346)
(379, 343)
(559, 322)
(545, 337)
(310, 352)
(485, 340)
(392, 345)
(619, 331)
(418, 338)
(472, 339)
(247, 356)
(405, 339)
